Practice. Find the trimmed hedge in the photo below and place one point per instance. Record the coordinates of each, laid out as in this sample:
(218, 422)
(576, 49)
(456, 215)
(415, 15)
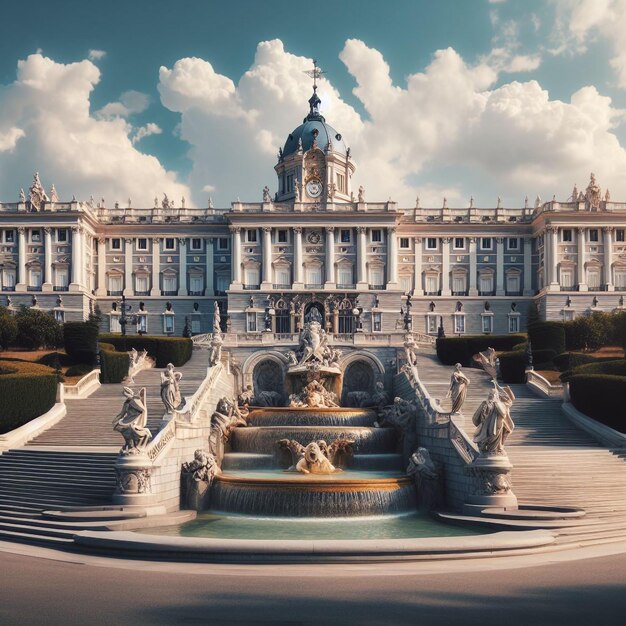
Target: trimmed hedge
(616, 367)
(570, 360)
(543, 356)
(547, 336)
(81, 369)
(8, 328)
(51, 358)
(513, 366)
(27, 390)
(601, 397)
(164, 350)
(113, 365)
(451, 350)
(80, 340)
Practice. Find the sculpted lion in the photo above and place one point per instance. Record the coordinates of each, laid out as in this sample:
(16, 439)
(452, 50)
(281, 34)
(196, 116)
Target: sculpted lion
(314, 461)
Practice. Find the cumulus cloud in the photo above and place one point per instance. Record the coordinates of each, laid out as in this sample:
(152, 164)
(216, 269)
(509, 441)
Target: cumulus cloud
(130, 103)
(96, 55)
(449, 118)
(47, 112)
(145, 131)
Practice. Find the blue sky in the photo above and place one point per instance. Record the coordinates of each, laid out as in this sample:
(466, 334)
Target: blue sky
(523, 109)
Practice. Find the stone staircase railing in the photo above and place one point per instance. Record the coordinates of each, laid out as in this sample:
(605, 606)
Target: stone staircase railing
(83, 388)
(544, 387)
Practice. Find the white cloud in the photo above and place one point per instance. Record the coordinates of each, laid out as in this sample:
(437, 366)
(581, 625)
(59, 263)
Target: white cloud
(96, 55)
(9, 138)
(130, 103)
(511, 140)
(48, 106)
(145, 131)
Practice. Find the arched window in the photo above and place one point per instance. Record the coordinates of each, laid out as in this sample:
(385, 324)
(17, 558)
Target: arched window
(345, 322)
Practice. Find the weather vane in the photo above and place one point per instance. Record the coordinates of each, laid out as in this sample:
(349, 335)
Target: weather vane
(315, 73)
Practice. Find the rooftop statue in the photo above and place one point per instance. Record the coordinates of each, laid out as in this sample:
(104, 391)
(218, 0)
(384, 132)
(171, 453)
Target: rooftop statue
(593, 193)
(131, 422)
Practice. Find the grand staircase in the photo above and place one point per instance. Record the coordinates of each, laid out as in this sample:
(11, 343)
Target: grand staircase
(72, 463)
(555, 464)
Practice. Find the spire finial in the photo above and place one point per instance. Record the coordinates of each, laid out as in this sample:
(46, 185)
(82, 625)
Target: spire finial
(314, 100)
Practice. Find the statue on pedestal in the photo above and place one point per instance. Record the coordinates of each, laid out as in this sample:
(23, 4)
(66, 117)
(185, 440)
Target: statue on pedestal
(458, 388)
(493, 421)
(131, 422)
(170, 389)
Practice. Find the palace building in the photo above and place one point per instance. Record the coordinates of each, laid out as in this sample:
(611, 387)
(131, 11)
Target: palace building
(372, 269)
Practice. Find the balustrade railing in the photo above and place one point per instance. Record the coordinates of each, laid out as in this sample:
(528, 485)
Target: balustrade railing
(544, 385)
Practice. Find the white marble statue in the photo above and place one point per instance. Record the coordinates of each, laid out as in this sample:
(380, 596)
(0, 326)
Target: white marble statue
(217, 318)
(458, 388)
(131, 421)
(203, 468)
(314, 395)
(215, 352)
(493, 420)
(317, 457)
(488, 362)
(170, 389)
(420, 463)
(361, 196)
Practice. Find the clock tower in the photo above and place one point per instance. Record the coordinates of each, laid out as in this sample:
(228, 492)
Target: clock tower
(315, 166)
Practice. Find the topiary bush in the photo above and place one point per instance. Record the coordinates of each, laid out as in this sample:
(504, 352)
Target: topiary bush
(513, 366)
(164, 350)
(27, 390)
(547, 336)
(451, 350)
(616, 367)
(600, 396)
(590, 332)
(113, 365)
(81, 369)
(80, 340)
(51, 359)
(8, 328)
(570, 360)
(543, 356)
(36, 329)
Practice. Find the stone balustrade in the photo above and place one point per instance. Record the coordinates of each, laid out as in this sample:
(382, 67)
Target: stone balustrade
(543, 387)
(83, 388)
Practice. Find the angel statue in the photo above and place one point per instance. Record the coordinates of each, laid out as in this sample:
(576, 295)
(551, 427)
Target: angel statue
(458, 388)
(170, 389)
(493, 420)
(488, 362)
(131, 421)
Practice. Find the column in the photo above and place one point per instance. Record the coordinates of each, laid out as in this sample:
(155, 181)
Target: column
(21, 261)
(128, 268)
(528, 266)
(500, 266)
(102, 267)
(582, 281)
(76, 258)
(182, 267)
(210, 271)
(330, 282)
(608, 259)
(47, 276)
(445, 266)
(473, 270)
(554, 283)
(155, 289)
(236, 257)
(298, 282)
(361, 257)
(418, 290)
(266, 281)
(392, 258)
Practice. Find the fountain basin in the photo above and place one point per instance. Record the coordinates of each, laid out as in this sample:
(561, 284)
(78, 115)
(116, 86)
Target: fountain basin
(263, 440)
(291, 494)
(286, 416)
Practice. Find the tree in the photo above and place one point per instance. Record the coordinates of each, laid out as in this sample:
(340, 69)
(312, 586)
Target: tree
(36, 329)
(8, 328)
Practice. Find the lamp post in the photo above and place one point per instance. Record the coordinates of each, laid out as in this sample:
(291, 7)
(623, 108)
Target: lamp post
(124, 317)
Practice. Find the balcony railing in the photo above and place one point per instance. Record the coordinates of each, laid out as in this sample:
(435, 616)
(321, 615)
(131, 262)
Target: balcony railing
(281, 286)
(60, 288)
(171, 293)
(142, 293)
(432, 293)
(491, 292)
(346, 286)
(33, 288)
(314, 286)
(197, 293)
(377, 287)
(459, 293)
(114, 293)
(7, 288)
(251, 287)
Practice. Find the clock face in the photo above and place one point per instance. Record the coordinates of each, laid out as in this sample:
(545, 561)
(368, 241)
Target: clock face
(314, 188)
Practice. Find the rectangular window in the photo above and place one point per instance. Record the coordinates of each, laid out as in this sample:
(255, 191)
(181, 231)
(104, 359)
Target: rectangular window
(405, 243)
(34, 278)
(168, 324)
(431, 324)
(289, 182)
(142, 243)
(196, 285)
(620, 279)
(314, 276)
(62, 278)
(195, 325)
(281, 235)
(377, 277)
(252, 277)
(169, 243)
(61, 235)
(251, 322)
(8, 280)
(514, 323)
(593, 234)
(459, 324)
(432, 284)
(344, 275)
(377, 322)
(459, 284)
(344, 235)
(141, 285)
(341, 182)
(619, 235)
(593, 280)
(282, 277)
(251, 235)
(566, 235)
(196, 243)
(459, 243)
(170, 287)
(114, 324)
(142, 324)
(9, 236)
(431, 243)
(222, 243)
(222, 282)
(59, 316)
(568, 316)
(512, 284)
(486, 243)
(377, 235)
(513, 243)
(567, 278)
(406, 283)
(487, 323)
(486, 284)
(116, 244)
(35, 236)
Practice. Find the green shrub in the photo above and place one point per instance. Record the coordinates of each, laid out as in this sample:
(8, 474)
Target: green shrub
(113, 365)
(616, 367)
(80, 340)
(601, 397)
(8, 328)
(570, 360)
(533, 314)
(547, 336)
(513, 366)
(51, 359)
(543, 356)
(27, 390)
(521, 346)
(36, 329)
(81, 369)
(164, 350)
(451, 350)
(590, 332)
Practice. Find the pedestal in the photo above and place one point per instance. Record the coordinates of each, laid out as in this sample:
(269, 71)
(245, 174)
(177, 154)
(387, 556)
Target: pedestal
(491, 487)
(133, 474)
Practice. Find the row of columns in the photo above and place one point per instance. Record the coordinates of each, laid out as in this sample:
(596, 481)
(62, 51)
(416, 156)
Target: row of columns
(551, 258)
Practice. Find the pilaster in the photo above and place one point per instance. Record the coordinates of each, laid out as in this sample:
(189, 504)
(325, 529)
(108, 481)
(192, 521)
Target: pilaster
(47, 280)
